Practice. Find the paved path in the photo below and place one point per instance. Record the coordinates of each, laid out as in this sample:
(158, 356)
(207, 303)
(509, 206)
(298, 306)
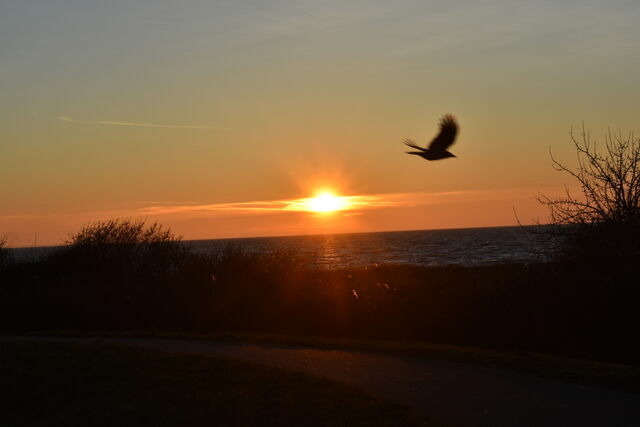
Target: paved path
(450, 392)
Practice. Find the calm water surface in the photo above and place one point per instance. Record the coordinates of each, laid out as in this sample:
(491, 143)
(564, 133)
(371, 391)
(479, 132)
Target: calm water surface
(470, 246)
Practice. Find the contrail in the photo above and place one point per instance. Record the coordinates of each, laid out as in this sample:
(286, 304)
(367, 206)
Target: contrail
(117, 123)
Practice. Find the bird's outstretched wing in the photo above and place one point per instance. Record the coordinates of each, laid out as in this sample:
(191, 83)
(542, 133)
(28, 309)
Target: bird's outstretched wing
(412, 144)
(448, 131)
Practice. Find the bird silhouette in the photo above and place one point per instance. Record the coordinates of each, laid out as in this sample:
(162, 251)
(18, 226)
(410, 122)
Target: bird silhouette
(437, 149)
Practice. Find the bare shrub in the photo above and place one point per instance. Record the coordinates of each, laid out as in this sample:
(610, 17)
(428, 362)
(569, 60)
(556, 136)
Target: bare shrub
(122, 247)
(603, 220)
(4, 253)
(122, 232)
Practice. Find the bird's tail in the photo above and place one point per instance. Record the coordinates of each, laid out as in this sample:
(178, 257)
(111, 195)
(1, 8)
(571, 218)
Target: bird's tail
(412, 144)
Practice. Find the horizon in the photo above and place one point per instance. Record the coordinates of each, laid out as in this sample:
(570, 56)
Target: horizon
(230, 120)
(311, 235)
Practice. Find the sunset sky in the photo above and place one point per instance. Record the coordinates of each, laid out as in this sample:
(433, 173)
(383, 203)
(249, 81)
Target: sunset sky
(217, 117)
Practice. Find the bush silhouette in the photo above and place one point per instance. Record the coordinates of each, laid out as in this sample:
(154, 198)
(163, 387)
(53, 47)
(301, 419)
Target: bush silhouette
(4, 254)
(602, 224)
(121, 248)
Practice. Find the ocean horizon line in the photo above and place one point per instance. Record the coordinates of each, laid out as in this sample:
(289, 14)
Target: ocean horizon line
(318, 234)
(410, 230)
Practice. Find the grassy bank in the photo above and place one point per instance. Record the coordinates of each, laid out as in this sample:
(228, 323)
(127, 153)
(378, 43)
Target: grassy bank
(56, 384)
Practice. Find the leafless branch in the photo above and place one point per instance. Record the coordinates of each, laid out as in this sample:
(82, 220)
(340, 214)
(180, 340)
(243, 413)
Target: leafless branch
(608, 177)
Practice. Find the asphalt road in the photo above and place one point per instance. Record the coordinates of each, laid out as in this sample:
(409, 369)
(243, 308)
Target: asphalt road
(449, 392)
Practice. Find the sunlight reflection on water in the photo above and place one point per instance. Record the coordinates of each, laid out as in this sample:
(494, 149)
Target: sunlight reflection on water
(477, 246)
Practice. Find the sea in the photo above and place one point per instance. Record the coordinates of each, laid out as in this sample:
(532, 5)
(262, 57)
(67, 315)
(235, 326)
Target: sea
(466, 246)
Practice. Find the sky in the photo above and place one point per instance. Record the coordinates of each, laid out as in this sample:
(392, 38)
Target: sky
(212, 117)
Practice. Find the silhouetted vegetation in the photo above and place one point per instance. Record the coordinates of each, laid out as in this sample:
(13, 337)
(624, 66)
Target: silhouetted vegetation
(103, 281)
(5, 257)
(124, 251)
(601, 226)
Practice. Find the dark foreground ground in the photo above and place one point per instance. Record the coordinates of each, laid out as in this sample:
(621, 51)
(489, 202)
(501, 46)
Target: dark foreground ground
(90, 384)
(449, 392)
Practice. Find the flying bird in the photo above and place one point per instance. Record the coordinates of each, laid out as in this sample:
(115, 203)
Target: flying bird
(437, 149)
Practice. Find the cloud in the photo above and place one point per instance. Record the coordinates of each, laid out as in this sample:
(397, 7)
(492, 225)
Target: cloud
(354, 204)
(134, 124)
(239, 207)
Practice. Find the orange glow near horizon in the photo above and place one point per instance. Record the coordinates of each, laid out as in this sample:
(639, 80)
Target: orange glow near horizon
(310, 215)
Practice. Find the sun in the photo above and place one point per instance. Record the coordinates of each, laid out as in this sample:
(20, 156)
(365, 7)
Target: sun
(326, 201)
